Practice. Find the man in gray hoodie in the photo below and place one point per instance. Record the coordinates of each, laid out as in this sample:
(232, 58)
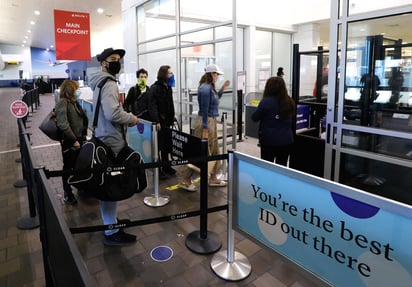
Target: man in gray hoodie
(111, 129)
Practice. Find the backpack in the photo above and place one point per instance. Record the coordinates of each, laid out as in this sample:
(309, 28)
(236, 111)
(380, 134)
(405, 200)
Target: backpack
(140, 104)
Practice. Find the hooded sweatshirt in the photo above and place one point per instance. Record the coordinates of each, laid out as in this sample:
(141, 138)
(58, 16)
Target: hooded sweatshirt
(112, 118)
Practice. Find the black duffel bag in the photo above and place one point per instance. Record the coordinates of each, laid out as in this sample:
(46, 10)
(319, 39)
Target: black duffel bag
(102, 175)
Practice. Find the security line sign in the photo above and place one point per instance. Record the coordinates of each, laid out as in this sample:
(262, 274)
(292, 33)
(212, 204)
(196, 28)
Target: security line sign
(345, 236)
(184, 145)
(19, 109)
(72, 35)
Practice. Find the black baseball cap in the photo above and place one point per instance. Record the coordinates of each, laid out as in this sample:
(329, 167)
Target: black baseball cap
(110, 51)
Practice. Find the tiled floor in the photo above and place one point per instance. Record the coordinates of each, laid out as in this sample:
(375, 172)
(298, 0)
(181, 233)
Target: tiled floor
(20, 249)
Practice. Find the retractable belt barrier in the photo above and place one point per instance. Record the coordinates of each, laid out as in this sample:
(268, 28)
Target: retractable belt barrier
(192, 160)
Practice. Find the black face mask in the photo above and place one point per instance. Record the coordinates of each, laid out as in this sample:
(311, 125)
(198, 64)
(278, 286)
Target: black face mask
(114, 67)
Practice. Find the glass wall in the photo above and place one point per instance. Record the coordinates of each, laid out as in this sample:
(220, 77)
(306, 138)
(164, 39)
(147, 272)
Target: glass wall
(371, 126)
(204, 13)
(263, 53)
(272, 50)
(152, 62)
(378, 86)
(202, 36)
(156, 19)
(357, 7)
(281, 55)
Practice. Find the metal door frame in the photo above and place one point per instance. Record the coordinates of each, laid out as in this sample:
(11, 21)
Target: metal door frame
(333, 147)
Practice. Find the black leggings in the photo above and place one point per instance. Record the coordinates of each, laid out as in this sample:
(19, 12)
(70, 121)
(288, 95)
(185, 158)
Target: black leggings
(279, 154)
(69, 160)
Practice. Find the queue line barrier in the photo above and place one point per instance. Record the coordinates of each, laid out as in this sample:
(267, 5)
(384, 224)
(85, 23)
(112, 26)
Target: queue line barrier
(63, 264)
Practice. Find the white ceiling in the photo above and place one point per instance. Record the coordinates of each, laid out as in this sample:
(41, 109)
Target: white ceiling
(15, 17)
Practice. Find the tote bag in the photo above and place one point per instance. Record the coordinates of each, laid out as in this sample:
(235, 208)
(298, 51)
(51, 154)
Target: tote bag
(49, 127)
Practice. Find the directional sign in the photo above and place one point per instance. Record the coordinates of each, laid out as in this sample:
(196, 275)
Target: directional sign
(19, 109)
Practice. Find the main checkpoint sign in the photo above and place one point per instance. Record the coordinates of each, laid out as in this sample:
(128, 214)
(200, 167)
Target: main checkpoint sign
(19, 109)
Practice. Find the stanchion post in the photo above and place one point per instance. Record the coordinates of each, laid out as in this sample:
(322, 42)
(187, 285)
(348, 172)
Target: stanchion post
(224, 144)
(155, 200)
(202, 241)
(21, 182)
(27, 222)
(239, 114)
(230, 265)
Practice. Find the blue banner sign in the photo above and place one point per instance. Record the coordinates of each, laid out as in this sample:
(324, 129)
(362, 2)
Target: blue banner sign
(345, 236)
(140, 139)
(302, 117)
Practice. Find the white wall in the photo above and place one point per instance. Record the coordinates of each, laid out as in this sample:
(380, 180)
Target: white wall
(11, 72)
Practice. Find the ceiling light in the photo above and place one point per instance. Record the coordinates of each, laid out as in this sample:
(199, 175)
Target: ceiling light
(100, 10)
(37, 12)
(51, 46)
(32, 22)
(29, 31)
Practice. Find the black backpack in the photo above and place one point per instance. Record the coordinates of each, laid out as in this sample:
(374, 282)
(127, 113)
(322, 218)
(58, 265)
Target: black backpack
(140, 104)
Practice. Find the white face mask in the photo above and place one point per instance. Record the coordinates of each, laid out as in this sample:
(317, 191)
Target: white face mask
(77, 93)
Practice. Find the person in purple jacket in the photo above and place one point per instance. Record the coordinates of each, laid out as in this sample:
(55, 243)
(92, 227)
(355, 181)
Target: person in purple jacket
(275, 114)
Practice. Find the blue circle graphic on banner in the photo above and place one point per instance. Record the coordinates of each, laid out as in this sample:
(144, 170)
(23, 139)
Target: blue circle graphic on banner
(161, 253)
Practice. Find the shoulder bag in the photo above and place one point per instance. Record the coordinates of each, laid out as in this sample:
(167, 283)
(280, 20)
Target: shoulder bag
(49, 127)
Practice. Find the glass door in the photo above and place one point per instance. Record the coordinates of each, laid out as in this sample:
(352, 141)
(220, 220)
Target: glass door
(369, 142)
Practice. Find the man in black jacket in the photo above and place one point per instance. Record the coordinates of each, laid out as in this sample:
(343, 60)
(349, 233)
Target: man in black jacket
(136, 100)
(162, 112)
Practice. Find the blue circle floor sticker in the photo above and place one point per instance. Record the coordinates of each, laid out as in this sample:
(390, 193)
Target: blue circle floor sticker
(161, 253)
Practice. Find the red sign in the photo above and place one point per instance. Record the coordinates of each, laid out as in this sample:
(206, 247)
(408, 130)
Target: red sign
(19, 109)
(72, 35)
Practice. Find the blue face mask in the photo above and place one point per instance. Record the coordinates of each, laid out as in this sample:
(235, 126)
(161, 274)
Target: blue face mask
(171, 81)
(77, 93)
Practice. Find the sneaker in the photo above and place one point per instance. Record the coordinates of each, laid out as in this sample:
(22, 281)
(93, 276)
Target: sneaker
(187, 186)
(217, 183)
(169, 170)
(119, 238)
(69, 199)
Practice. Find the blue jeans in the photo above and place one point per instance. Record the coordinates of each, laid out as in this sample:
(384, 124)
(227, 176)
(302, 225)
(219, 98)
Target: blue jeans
(108, 210)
